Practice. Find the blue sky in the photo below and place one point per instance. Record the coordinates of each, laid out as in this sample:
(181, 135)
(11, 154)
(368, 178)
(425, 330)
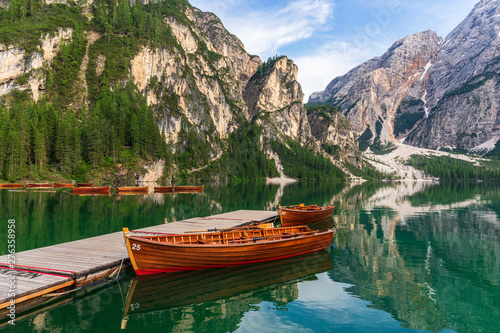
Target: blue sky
(327, 38)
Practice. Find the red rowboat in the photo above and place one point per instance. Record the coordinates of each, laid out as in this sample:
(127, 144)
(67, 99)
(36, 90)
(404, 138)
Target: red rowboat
(84, 185)
(188, 189)
(9, 185)
(132, 190)
(300, 214)
(39, 185)
(59, 185)
(90, 190)
(164, 189)
(159, 253)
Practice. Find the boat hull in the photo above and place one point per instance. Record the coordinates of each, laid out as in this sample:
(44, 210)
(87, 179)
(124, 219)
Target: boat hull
(8, 185)
(90, 190)
(85, 185)
(291, 217)
(152, 257)
(188, 189)
(132, 190)
(179, 189)
(43, 185)
(61, 185)
(163, 189)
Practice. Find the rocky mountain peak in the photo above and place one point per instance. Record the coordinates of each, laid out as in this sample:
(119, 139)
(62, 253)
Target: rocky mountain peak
(429, 92)
(274, 97)
(461, 97)
(370, 94)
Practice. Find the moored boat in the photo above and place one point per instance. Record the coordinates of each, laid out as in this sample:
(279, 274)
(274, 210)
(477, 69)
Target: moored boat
(301, 214)
(90, 190)
(163, 189)
(11, 185)
(60, 185)
(39, 185)
(132, 190)
(85, 185)
(188, 189)
(157, 253)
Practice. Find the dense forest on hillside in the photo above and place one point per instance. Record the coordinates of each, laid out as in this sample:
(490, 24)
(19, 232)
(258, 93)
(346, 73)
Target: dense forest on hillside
(447, 168)
(112, 133)
(51, 138)
(38, 139)
(300, 162)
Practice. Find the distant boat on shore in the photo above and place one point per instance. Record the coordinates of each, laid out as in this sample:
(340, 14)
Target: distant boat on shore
(39, 185)
(84, 185)
(90, 190)
(179, 189)
(11, 185)
(163, 189)
(59, 185)
(187, 188)
(132, 190)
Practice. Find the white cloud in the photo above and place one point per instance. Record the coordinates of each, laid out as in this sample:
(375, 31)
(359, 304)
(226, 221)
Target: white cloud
(328, 61)
(264, 29)
(296, 28)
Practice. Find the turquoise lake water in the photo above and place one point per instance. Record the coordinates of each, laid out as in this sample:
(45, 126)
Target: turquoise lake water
(406, 257)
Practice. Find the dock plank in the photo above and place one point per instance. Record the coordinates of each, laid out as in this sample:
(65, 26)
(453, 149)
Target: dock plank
(28, 287)
(82, 257)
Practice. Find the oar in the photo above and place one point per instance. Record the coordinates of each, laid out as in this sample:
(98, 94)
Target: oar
(254, 225)
(254, 239)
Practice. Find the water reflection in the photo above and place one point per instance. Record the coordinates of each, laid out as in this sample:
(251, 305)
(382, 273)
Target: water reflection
(407, 256)
(220, 296)
(430, 258)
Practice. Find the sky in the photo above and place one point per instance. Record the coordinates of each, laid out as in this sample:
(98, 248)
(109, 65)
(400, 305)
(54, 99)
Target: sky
(327, 38)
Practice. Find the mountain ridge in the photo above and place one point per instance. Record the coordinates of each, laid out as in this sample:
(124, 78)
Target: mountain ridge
(449, 101)
(202, 87)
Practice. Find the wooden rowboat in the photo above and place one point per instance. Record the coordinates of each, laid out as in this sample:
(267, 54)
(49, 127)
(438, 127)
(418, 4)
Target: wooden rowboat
(90, 190)
(133, 190)
(84, 185)
(8, 185)
(39, 185)
(300, 214)
(179, 189)
(159, 253)
(59, 185)
(188, 189)
(164, 189)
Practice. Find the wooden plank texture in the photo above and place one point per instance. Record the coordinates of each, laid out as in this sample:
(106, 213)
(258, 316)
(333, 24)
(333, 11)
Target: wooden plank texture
(29, 284)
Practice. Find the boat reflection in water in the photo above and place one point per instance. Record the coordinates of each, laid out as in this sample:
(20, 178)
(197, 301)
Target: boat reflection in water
(248, 284)
(322, 225)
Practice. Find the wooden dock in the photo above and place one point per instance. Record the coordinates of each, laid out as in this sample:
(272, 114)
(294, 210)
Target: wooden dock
(80, 263)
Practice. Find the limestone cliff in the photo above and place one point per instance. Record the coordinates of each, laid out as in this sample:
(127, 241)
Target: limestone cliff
(20, 70)
(335, 134)
(274, 100)
(198, 78)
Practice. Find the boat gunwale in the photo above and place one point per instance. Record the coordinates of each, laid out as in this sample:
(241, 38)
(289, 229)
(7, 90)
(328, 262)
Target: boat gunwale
(322, 209)
(230, 245)
(132, 188)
